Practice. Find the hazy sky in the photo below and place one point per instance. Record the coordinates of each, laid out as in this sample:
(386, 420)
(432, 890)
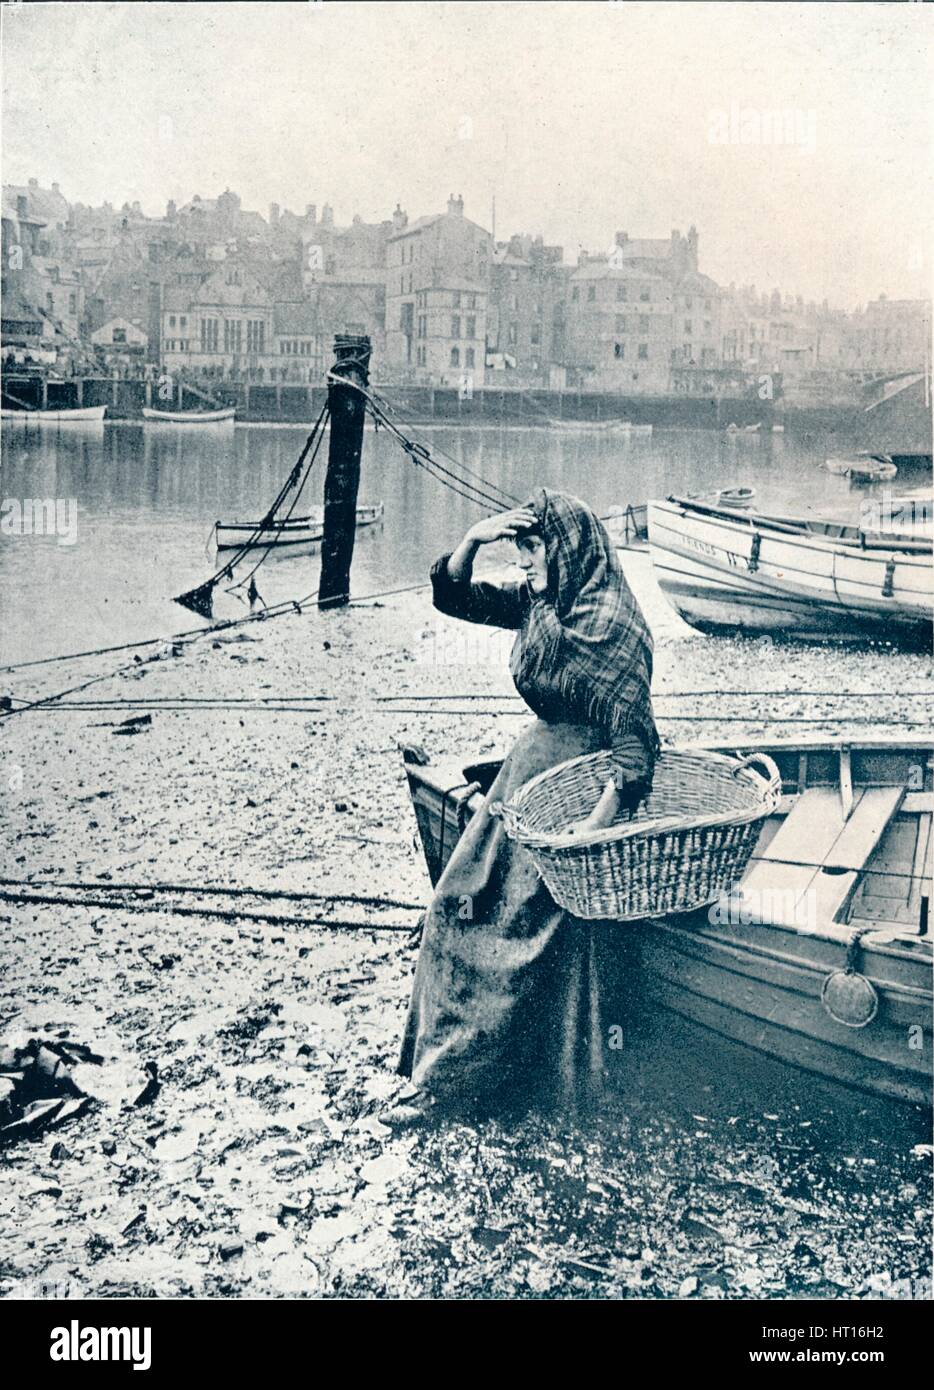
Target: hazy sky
(583, 117)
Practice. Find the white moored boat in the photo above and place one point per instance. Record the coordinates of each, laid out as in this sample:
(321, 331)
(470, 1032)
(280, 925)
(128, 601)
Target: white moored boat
(222, 416)
(723, 569)
(83, 415)
(599, 426)
(285, 534)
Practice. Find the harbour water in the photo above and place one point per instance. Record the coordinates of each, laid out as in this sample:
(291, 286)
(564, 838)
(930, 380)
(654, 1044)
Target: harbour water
(146, 500)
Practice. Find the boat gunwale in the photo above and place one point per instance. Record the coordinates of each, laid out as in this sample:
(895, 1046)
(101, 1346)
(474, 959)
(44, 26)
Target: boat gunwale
(794, 529)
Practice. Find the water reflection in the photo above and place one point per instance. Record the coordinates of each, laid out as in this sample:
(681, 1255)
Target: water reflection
(148, 499)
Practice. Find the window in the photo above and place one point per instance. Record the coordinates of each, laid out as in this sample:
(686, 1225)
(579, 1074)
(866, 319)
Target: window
(622, 292)
(706, 325)
(209, 335)
(687, 325)
(232, 335)
(619, 350)
(183, 322)
(687, 302)
(233, 276)
(643, 323)
(513, 334)
(688, 351)
(456, 301)
(575, 293)
(535, 335)
(256, 336)
(645, 296)
(456, 326)
(183, 345)
(118, 335)
(455, 357)
(643, 351)
(471, 328)
(171, 320)
(422, 325)
(49, 301)
(591, 292)
(72, 304)
(515, 303)
(469, 358)
(621, 323)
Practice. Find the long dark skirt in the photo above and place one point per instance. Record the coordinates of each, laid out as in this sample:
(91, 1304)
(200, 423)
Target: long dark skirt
(513, 997)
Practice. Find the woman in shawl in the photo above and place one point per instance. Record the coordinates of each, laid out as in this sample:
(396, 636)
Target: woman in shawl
(506, 1003)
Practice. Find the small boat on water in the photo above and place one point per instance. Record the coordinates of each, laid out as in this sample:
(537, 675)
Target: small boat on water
(286, 534)
(863, 468)
(79, 415)
(599, 426)
(822, 956)
(736, 496)
(222, 416)
(724, 569)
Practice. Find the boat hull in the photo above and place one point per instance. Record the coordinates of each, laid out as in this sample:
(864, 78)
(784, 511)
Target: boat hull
(759, 984)
(797, 583)
(288, 535)
(190, 417)
(85, 415)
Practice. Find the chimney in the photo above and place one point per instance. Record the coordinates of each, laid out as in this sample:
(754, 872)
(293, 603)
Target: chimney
(622, 238)
(33, 183)
(273, 214)
(400, 219)
(55, 188)
(311, 213)
(327, 216)
(456, 205)
(170, 210)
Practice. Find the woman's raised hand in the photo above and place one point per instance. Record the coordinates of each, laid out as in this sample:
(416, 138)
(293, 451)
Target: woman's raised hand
(503, 526)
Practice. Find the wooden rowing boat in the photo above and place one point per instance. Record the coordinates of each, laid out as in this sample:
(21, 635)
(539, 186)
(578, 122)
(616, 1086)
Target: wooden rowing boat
(864, 468)
(286, 534)
(840, 878)
(736, 496)
(726, 570)
(222, 416)
(83, 415)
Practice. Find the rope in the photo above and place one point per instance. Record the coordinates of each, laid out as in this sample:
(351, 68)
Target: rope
(286, 696)
(199, 599)
(224, 914)
(208, 890)
(458, 463)
(275, 611)
(422, 457)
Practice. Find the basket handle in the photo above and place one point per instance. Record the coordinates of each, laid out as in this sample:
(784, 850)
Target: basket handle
(775, 780)
(507, 815)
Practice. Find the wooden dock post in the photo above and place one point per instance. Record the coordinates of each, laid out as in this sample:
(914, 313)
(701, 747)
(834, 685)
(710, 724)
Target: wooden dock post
(348, 411)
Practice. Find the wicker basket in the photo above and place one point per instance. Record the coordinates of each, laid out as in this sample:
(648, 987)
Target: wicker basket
(688, 842)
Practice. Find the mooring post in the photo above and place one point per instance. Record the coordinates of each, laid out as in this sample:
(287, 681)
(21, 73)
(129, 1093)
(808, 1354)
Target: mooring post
(347, 412)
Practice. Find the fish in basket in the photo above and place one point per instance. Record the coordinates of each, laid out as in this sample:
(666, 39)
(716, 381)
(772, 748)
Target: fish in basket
(684, 845)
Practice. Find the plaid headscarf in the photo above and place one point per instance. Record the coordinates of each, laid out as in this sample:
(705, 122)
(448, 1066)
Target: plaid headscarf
(585, 651)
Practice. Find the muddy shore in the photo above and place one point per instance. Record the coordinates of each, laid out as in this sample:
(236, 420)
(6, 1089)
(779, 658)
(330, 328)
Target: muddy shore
(260, 1167)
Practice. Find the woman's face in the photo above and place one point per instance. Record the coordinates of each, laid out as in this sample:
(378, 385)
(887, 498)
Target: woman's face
(533, 563)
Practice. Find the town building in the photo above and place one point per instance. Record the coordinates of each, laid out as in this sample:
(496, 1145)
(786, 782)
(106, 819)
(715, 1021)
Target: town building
(437, 280)
(527, 312)
(619, 328)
